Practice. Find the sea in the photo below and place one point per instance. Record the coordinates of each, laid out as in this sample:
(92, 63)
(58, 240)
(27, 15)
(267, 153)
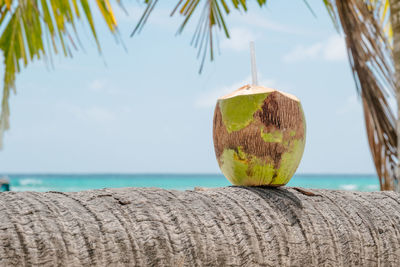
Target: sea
(79, 182)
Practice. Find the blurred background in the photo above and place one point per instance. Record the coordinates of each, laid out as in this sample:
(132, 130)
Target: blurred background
(140, 114)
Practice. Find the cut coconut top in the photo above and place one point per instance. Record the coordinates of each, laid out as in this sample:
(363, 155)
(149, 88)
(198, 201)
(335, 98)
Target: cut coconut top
(255, 89)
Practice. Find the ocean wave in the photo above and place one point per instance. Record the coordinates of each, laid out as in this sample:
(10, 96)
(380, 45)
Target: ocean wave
(349, 187)
(372, 187)
(30, 181)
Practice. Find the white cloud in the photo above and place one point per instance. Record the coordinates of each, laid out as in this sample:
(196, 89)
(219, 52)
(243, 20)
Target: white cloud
(103, 86)
(302, 53)
(266, 23)
(332, 49)
(239, 39)
(241, 36)
(335, 49)
(161, 16)
(350, 105)
(97, 85)
(94, 114)
(209, 98)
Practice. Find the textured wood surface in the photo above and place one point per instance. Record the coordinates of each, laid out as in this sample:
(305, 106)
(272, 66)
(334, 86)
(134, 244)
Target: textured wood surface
(232, 226)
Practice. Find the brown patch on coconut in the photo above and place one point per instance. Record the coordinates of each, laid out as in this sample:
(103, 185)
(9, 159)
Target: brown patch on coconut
(280, 112)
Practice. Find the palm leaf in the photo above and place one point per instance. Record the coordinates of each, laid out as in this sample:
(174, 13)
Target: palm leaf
(211, 21)
(370, 55)
(26, 24)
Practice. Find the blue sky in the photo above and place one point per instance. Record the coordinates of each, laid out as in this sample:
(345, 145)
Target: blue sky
(146, 108)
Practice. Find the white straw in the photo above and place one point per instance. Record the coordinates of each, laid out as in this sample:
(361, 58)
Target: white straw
(253, 64)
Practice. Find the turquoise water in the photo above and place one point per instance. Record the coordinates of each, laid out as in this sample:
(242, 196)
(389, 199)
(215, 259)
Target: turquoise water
(78, 182)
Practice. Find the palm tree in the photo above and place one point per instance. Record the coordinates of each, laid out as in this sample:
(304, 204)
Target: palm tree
(371, 32)
(34, 29)
(367, 26)
(395, 26)
(230, 226)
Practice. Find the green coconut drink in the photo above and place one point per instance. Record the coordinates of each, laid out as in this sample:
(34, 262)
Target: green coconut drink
(259, 136)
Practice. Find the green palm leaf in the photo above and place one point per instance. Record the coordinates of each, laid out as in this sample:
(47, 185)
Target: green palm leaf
(26, 24)
(211, 20)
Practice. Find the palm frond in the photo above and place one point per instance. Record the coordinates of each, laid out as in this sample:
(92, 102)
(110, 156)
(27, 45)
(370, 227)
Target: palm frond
(211, 21)
(370, 56)
(25, 25)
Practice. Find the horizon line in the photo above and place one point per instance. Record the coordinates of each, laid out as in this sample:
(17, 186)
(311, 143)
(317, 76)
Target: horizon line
(166, 173)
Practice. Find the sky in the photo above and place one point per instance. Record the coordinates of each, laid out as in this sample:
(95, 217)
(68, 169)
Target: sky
(142, 107)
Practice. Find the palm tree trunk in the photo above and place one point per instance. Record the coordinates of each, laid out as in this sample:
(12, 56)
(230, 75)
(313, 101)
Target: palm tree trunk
(235, 226)
(395, 21)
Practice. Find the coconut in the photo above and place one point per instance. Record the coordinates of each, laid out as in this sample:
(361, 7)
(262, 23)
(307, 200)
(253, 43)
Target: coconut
(259, 136)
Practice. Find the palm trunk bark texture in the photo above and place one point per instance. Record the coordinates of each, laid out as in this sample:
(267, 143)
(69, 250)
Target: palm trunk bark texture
(231, 226)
